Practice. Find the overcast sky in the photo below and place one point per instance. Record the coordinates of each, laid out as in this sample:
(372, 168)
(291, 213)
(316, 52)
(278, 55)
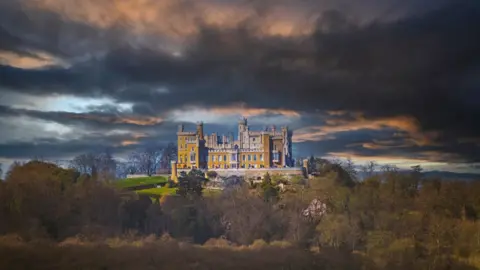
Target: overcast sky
(396, 81)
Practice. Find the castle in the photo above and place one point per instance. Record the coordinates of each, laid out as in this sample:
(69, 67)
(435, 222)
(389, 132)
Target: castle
(268, 148)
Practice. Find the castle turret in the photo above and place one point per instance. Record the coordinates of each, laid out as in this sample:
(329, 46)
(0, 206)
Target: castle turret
(200, 130)
(174, 175)
(305, 166)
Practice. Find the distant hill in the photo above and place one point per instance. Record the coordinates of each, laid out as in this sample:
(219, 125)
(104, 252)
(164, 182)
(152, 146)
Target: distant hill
(440, 174)
(452, 175)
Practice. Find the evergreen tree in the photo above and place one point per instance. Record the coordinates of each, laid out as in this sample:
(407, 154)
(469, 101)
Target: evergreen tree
(270, 192)
(191, 184)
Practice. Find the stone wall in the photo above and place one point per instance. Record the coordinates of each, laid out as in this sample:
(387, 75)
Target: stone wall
(254, 173)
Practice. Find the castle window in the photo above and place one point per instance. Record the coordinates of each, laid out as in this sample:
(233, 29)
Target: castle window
(249, 157)
(192, 157)
(213, 158)
(181, 160)
(224, 157)
(193, 148)
(255, 157)
(243, 157)
(261, 157)
(219, 158)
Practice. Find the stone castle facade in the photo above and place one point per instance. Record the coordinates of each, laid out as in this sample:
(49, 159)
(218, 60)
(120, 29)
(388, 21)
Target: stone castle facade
(268, 148)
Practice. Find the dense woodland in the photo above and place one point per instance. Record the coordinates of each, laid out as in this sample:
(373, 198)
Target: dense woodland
(55, 218)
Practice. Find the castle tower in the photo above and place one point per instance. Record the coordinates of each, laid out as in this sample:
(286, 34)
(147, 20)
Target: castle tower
(174, 175)
(305, 166)
(200, 130)
(242, 129)
(181, 128)
(242, 124)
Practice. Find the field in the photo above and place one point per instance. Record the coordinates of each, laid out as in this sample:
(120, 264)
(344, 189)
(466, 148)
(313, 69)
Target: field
(157, 191)
(133, 182)
(146, 186)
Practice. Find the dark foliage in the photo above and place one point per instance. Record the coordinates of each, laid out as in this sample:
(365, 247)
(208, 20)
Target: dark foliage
(390, 220)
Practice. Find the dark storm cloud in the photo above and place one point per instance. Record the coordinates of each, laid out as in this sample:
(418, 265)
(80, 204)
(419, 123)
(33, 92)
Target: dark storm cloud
(423, 65)
(55, 149)
(93, 119)
(23, 29)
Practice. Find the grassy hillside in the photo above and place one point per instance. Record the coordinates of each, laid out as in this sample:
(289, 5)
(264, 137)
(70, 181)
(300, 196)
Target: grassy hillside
(157, 191)
(133, 182)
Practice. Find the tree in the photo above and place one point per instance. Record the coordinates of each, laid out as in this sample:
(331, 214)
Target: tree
(146, 161)
(168, 154)
(369, 168)
(349, 167)
(270, 192)
(100, 166)
(191, 184)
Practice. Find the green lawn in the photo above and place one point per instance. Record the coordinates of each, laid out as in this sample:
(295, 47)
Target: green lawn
(157, 191)
(133, 182)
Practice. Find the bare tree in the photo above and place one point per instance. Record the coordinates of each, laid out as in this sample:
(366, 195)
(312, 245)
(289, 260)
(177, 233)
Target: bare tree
(84, 163)
(369, 168)
(145, 161)
(349, 167)
(107, 165)
(101, 166)
(169, 153)
(387, 168)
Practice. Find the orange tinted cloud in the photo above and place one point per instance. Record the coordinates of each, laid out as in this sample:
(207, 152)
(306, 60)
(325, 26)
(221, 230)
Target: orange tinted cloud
(247, 112)
(384, 144)
(173, 18)
(140, 121)
(134, 140)
(33, 61)
(406, 124)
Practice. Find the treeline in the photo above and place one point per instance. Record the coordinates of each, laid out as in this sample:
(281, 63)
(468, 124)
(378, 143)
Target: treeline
(102, 166)
(389, 220)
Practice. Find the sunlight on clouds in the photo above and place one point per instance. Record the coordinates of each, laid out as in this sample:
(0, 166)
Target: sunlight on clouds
(400, 162)
(429, 160)
(22, 101)
(75, 104)
(34, 61)
(118, 119)
(61, 103)
(174, 19)
(136, 137)
(406, 124)
(26, 129)
(229, 115)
